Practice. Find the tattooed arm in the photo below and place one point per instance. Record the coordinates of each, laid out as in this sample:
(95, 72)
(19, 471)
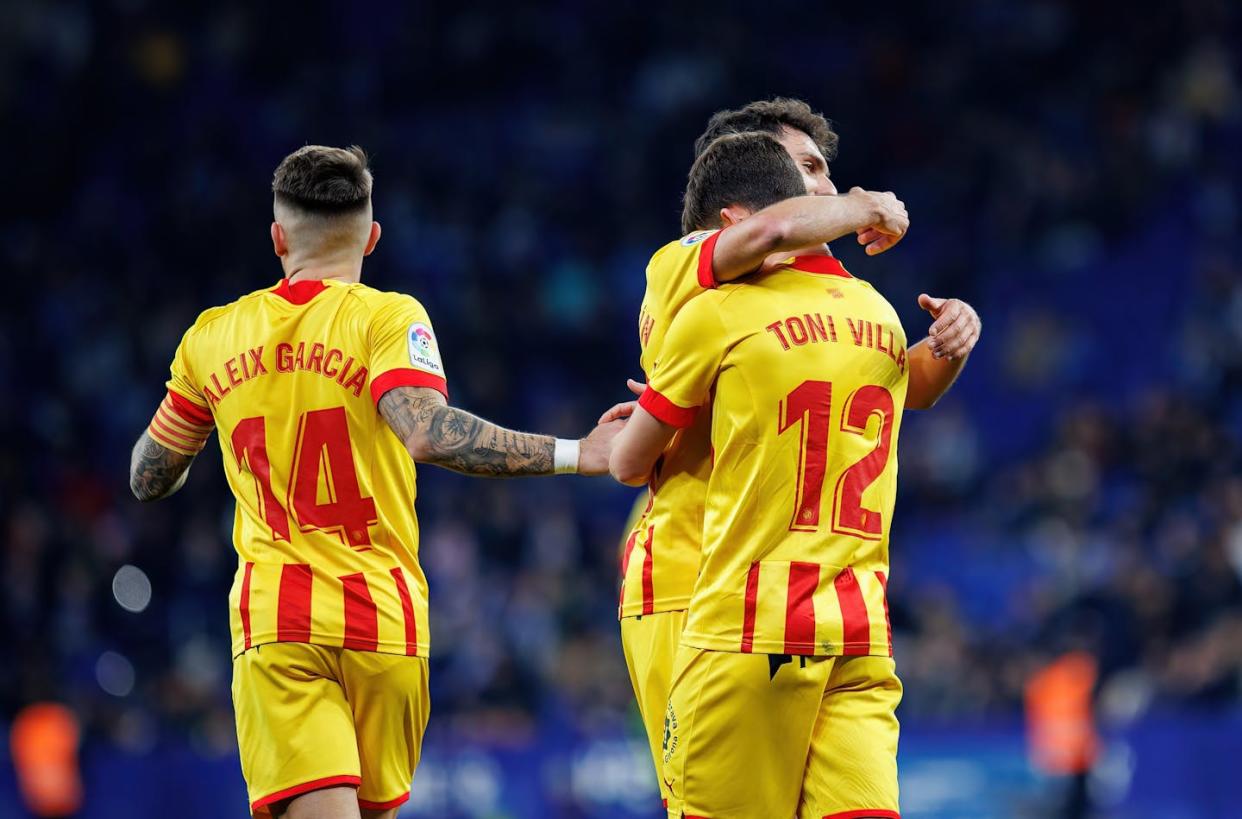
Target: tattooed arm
(436, 433)
(155, 471)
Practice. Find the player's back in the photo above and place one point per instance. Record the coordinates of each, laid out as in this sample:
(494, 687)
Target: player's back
(808, 377)
(324, 525)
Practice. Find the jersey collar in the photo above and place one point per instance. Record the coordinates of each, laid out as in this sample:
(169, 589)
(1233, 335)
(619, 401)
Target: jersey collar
(823, 265)
(299, 292)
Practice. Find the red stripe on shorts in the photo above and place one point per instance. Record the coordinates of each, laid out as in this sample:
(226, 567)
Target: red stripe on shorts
(800, 608)
(855, 625)
(243, 605)
(748, 613)
(361, 616)
(888, 624)
(407, 612)
(389, 805)
(367, 804)
(306, 787)
(648, 568)
(293, 606)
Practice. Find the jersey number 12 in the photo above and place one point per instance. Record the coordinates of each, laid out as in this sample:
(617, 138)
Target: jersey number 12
(810, 405)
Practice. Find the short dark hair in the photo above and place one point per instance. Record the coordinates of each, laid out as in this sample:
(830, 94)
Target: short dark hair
(749, 169)
(323, 180)
(770, 116)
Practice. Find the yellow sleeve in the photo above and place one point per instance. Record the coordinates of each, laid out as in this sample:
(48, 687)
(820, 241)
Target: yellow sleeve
(676, 273)
(689, 361)
(183, 422)
(692, 253)
(404, 351)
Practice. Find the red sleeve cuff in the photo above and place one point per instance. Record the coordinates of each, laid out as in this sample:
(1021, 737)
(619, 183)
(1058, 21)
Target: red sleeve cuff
(190, 410)
(707, 277)
(665, 410)
(406, 378)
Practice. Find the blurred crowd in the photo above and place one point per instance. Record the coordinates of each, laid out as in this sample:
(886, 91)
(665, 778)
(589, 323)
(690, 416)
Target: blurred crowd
(1071, 171)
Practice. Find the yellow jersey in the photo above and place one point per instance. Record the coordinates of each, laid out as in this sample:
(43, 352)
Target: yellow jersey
(806, 373)
(324, 528)
(661, 556)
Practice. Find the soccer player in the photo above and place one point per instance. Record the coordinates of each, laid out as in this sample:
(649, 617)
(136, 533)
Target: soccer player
(660, 558)
(325, 392)
(783, 691)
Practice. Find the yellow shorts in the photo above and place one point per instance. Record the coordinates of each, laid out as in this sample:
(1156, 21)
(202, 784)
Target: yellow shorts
(311, 717)
(650, 643)
(758, 736)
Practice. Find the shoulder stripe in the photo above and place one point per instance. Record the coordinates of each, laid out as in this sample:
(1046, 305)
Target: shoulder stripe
(190, 410)
(392, 379)
(665, 410)
(707, 276)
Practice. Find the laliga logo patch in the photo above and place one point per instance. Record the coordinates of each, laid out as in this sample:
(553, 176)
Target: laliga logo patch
(423, 351)
(695, 238)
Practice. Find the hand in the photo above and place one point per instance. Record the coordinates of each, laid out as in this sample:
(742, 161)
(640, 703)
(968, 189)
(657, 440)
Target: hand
(956, 328)
(626, 408)
(595, 449)
(888, 220)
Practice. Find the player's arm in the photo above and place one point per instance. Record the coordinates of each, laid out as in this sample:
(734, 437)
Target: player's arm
(936, 361)
(879, 219)
(160, 460)
(178, 431)
(638, 446)
(435, 433)
(155, 471)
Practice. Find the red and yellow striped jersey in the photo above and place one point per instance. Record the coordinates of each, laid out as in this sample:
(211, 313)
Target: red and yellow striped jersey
(661, 557)
(805, 368)
(325, 528)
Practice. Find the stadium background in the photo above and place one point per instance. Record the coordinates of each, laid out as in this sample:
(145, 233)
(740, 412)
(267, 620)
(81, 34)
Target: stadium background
(1071, 169)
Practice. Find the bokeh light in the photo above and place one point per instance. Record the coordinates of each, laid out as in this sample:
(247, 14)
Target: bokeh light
(115, 674)
(131, 588)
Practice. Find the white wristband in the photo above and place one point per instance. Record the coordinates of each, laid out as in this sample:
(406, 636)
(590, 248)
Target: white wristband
(565, 457)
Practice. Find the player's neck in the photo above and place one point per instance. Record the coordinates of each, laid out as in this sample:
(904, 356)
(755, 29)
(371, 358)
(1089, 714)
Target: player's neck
(813, 250)
(779, 259)
(345, 270)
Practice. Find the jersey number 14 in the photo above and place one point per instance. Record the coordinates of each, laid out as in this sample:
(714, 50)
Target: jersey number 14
(323, 439)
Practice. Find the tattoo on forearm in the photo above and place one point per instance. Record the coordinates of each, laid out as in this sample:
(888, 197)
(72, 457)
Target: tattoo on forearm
(155, 471)
(457, 440)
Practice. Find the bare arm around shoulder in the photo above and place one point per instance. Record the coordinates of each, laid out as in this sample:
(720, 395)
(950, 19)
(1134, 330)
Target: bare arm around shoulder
(435, 433)
(155, 471)
(879, 219)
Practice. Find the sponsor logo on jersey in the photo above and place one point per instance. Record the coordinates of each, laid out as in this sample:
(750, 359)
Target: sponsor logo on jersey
(424, 352)
(695, 238)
